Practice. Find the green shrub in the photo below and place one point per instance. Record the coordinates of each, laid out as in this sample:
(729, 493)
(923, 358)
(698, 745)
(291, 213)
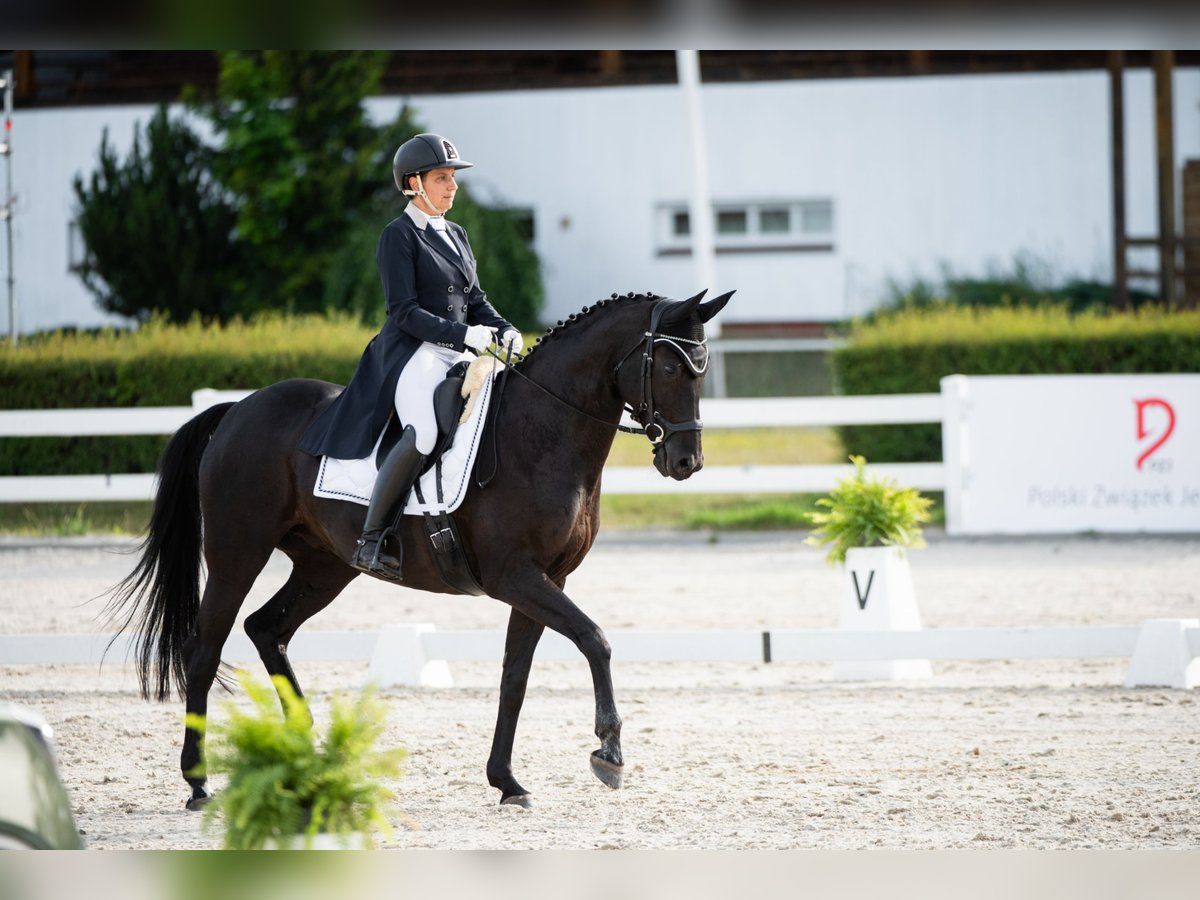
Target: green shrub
(1029, 281)
(911, 351)
(862, 513)
(158, 229)
(283, 782)
(158, 365)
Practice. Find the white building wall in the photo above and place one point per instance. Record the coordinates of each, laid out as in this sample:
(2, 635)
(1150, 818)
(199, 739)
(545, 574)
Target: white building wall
(967, 171)
(51, 147)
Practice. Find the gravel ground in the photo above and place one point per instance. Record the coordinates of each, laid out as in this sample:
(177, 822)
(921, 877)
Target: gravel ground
(1001, 754)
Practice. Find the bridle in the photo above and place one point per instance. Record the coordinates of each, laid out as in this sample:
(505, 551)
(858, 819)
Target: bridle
(654, 425)
(645, 413)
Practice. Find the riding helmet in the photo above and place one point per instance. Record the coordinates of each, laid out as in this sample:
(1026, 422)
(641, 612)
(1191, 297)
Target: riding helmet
(423, 153)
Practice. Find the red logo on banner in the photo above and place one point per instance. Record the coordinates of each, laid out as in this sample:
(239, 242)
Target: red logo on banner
(1142, 433)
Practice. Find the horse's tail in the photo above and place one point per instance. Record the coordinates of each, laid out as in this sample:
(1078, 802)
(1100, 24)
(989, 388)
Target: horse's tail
(161, 596)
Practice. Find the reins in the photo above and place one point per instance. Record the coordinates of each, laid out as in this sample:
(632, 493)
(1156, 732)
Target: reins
(652, 418)
(499, 393)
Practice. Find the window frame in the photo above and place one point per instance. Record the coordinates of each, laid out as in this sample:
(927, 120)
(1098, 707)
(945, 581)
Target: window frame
(754, 239)
(76, 247)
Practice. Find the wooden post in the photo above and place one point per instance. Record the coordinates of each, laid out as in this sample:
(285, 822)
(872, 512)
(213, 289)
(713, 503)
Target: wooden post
(1116, 76)
(1164, 63)
(611, 63)
(1190, 296)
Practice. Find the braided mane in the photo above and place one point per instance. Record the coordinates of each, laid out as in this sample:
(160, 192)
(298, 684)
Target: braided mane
(562, 325)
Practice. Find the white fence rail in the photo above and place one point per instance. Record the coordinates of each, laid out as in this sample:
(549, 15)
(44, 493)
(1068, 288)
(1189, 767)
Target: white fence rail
(421, 648)
(782, 412)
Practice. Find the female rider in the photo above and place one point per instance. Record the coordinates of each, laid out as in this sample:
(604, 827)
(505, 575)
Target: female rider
(435, 308)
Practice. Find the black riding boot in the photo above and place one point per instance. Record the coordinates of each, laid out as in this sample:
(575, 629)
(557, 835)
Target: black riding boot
(395, 478)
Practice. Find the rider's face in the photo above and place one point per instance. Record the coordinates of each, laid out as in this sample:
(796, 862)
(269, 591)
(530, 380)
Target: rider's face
(440, 187)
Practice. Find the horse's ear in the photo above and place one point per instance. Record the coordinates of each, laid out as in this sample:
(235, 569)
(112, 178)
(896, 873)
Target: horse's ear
(679, 313)
(713, 306)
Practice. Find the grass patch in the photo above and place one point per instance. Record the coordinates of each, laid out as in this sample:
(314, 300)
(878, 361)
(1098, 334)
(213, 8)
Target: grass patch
(719, 512)
(756, 514)
(728, 512)
(697, 511)
(745, 446)
(68, 519)
(722, 512)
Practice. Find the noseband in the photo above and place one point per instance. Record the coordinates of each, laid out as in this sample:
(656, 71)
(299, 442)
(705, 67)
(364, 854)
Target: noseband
(655, 426)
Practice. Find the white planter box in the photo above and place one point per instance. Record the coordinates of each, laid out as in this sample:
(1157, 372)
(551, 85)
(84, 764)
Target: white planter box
(877, 595)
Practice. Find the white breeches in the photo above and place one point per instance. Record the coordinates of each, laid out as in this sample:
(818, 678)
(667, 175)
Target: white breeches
(415, 386)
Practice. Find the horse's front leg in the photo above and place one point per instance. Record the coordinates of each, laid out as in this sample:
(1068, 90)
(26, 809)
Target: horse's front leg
(541, 600)
(519, 647)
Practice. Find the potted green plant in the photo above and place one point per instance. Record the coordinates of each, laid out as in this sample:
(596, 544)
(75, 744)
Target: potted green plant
(286, 789)
(867, 525)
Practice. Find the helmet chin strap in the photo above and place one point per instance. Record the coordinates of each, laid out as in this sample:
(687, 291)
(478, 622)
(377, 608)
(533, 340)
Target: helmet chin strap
(420, 192)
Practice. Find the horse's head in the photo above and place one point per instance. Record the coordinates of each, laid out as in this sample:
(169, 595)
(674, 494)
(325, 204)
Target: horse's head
(664, 390)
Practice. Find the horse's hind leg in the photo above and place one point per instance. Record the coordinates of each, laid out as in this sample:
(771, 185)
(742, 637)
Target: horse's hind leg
(317, 578)
(519, 646)
(230, 577)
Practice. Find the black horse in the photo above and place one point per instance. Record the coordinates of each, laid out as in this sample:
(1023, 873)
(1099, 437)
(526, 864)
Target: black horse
(235, 468)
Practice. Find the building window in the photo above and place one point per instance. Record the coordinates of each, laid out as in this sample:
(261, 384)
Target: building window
(769, 226)
(731, 221)
(816, 218)
(775, 220)
(76, 247)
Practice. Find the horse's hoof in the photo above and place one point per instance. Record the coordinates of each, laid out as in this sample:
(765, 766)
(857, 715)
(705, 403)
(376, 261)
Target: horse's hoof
(522, 800)
(200, 798)
(611, 774)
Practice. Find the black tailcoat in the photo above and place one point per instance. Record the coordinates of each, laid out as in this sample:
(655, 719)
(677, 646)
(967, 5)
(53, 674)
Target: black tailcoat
(432, 295)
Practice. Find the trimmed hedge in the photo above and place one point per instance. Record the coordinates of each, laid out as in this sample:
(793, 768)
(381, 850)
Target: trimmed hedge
(158, 365)
(909, 352)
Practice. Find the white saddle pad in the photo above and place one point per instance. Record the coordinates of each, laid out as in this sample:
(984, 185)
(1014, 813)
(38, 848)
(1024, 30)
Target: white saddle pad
(353, 479)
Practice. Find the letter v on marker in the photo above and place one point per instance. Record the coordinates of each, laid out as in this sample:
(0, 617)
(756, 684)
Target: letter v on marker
(858, 592)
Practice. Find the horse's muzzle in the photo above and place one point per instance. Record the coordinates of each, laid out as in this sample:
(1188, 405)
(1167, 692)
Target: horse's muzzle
(680, 466)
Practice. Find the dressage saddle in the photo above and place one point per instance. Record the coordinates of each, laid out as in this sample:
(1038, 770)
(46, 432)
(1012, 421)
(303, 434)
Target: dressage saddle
(448, 404)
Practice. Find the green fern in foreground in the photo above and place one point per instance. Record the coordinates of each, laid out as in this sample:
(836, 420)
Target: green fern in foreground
(282, 783)
(865, 513)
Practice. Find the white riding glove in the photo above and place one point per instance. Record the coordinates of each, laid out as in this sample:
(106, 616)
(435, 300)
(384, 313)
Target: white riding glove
(512, 338)
(478, 337)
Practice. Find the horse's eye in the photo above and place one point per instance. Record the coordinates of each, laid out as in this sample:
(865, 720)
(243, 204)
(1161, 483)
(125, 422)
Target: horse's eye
(671, 368)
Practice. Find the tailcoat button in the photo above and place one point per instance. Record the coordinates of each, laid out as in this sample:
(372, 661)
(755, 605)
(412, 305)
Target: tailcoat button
(450, 289)
(449, 307)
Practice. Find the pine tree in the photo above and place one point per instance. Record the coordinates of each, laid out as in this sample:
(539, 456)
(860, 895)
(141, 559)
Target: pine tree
(158, 230)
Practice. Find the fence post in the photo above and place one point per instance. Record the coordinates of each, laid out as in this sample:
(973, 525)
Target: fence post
(399, 659)
(955, 449)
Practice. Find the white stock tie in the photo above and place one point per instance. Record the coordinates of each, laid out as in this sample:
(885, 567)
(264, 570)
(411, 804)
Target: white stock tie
(438, 224)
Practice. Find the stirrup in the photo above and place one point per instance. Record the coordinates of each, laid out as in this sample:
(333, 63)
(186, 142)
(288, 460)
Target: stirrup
(374, 565)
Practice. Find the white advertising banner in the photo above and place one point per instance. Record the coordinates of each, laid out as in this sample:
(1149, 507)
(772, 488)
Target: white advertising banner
(1030, 454)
